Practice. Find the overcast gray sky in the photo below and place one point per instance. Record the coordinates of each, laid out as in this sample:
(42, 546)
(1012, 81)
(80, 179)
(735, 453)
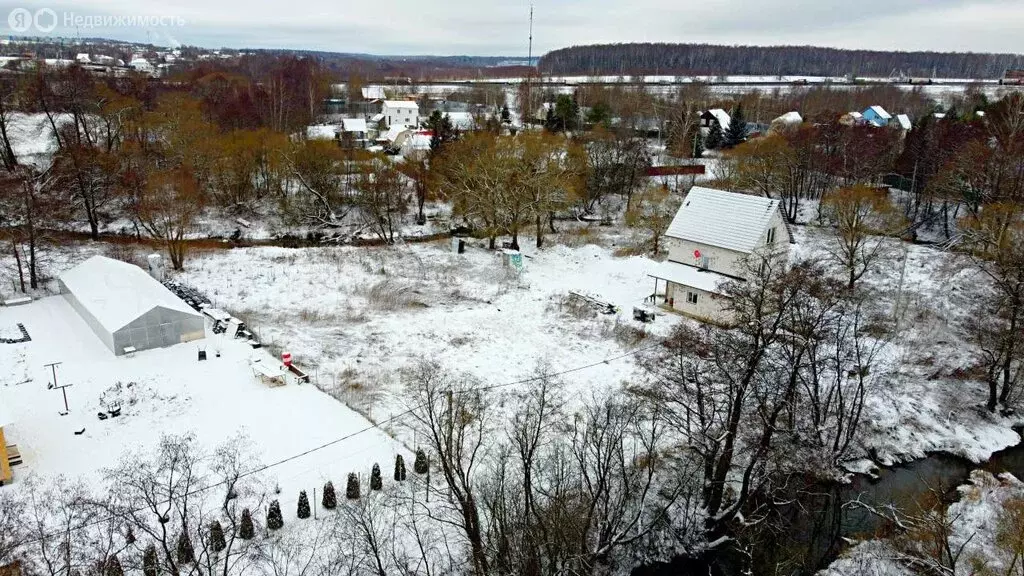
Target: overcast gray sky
(501, 27)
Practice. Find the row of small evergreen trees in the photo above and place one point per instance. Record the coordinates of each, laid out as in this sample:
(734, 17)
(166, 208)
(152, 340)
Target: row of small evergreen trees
(185, 552)
(275, 519)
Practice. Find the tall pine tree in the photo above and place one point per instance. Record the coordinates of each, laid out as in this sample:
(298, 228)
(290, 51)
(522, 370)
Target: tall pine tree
(186, 553)
(420, 465)
(352, 490)
(303, 510)
(714, 139)
(737, 132)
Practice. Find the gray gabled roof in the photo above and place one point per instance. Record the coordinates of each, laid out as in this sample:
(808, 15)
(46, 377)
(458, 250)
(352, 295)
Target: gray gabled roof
(723, 219)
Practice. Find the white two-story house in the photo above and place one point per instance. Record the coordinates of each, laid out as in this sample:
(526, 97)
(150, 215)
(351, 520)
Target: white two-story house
(709, 242)
(400, 113)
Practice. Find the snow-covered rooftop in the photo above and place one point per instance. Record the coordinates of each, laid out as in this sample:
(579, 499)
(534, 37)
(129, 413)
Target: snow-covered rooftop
(724, 219)
(117, 293)
(394, 132)
(372, 92)
(401, 104)
(461, 120)
(705, 280)
(353, 125)
(722, 116)
(321, 132)
(904, 121)
(880, 112)
(789, 119)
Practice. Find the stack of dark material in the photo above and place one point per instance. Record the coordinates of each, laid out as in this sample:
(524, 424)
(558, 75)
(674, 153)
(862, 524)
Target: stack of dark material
(190, 295)
(24, 337)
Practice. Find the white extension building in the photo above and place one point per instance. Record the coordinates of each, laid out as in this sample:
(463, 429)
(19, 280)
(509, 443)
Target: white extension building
(127, 308)
(401, 113)
(709, 242)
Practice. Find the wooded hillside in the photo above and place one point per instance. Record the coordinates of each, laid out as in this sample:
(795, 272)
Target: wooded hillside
(706, 59)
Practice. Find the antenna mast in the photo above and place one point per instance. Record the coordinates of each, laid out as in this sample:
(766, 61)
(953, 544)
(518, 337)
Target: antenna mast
(528, 108)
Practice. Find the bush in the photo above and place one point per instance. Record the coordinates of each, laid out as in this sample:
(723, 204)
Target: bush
(330, 500)
(246, 530)
(352, 490)
(399, 468)
(420, 466)
(303, 511)
(113, 567)
(217, 541)
(186, 553)
(274, 518)
(129, 536)
(150, 562)
(375, 482)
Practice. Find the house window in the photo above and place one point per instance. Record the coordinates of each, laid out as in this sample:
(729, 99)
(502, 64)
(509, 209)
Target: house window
(691, 297)
(771, 236)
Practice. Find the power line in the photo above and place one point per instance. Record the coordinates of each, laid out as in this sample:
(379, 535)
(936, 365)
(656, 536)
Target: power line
(372, 426)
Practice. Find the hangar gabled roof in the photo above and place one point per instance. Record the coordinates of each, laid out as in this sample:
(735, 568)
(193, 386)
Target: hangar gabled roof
(116, 293)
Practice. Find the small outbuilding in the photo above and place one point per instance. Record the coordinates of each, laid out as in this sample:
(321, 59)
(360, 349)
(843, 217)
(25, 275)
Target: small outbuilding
(128, 309)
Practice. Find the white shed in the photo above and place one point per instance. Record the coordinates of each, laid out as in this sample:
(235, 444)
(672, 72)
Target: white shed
(128, 309)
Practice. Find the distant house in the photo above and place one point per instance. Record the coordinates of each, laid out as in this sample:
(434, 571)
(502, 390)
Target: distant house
(394, 137)
(902, 122)
(352, 133)
(400, 113)
(877, 116)
(851, 119)
(372, 92)
(416, 144)
(786, 121)
(322, 132)
(708, 116)
(461, 120)
(708, 243)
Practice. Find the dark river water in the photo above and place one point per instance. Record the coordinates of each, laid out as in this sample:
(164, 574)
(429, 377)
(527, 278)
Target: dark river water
(813, 522)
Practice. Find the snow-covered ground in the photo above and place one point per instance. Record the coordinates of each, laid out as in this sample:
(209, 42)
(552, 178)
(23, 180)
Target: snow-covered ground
(358, 316)
(167, 391)
(923, 402)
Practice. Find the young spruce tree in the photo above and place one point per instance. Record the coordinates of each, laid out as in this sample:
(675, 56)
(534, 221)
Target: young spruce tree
(274, 518)
(330, 499)
(352, 490)
(420, 465)
(375, 481)
(737, 132)
(113, 567)
(186, 553)
(150, 561)
(303, 511)
(399, 468)
(217, 541)
(246, 530)
(713, 141)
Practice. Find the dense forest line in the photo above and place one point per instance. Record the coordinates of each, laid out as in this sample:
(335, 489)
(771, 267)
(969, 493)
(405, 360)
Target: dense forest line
(707, 59)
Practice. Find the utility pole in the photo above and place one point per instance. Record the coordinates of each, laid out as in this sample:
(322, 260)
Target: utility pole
(54, 386)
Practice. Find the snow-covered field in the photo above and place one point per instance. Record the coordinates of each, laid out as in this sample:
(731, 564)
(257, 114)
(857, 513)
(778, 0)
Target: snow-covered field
(167, 391)
(358, 316)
